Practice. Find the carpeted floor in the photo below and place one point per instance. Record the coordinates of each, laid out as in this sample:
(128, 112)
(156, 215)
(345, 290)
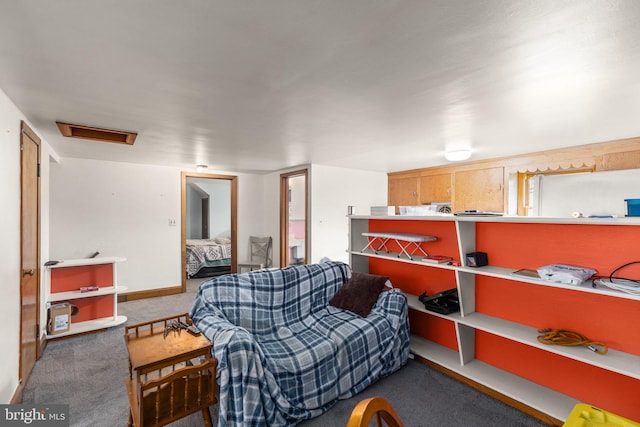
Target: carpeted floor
(88, 373)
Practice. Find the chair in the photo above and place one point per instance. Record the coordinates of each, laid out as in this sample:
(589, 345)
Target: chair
(261, 257)
(157, 402)
(374, 408)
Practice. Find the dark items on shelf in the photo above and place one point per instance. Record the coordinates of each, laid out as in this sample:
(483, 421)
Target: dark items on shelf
(477, 259)
(445, 302)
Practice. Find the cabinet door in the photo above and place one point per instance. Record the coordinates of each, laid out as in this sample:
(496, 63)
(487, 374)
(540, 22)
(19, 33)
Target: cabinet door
(435, 188)
(403, 191)
(481, 189)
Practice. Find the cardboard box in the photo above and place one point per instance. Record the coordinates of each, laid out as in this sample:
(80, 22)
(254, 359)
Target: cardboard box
(59, 318)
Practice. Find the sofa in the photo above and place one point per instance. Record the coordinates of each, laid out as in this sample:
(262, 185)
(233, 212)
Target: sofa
(286, 352)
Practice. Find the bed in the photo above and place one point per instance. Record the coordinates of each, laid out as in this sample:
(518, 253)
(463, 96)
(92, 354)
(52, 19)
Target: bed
(208, 257)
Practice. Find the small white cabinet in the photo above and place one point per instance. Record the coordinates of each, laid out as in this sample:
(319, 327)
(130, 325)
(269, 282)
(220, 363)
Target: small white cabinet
(97, 309)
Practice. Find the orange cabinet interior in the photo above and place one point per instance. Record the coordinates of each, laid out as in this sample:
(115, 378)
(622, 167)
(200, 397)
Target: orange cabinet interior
(67, 279)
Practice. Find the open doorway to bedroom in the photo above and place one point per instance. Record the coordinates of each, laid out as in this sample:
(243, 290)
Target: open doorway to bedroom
(209, 225)
(294, 220)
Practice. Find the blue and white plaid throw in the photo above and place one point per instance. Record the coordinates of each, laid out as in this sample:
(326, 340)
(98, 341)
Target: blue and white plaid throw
(284, 354)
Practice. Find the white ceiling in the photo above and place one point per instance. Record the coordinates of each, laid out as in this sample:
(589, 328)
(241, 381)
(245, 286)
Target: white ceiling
(383, 85)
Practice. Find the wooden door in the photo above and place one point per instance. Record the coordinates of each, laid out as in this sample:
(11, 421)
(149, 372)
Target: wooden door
(30, 249)
(481, 189)
(435, 188)
(403, 191)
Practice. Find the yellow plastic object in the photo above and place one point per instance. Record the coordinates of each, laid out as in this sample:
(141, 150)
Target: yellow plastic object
(584, 415)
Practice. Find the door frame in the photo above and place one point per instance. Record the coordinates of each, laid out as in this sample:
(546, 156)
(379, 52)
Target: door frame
(284, 215)
(233, 181)
(27, 132)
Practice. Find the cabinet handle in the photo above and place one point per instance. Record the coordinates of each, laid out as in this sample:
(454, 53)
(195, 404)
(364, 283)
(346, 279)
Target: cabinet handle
(28, 272)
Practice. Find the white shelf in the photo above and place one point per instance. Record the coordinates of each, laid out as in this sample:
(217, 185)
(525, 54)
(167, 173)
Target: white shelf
(91, 325)
(415, 304)
(507, 219)
(534, 395)
(502, 273)
(104, 291)
(468, 322)
(64, 296)
(87, 261)
(615, 361)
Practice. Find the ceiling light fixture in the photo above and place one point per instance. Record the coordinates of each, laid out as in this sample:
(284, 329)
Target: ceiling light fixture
(201, 168)
(457, 155)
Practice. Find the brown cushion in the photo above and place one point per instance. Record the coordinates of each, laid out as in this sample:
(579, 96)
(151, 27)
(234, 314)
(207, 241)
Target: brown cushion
(360, 293)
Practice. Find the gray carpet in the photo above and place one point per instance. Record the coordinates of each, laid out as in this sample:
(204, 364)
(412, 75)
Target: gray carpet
(88, 373)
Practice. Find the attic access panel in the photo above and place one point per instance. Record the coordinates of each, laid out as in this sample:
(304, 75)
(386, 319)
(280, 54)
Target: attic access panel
(97, 134)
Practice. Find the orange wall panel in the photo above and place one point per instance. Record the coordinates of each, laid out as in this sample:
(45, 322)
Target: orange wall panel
(433, 328)
(611, 320)
(92, 308)
(605, 389)
(602, 247)
(445, 231)
(66, 279)
(413, 279)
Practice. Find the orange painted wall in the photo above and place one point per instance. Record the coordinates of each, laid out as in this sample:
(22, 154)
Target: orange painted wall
(92, 308)
(603, 247)
(66, 279)
(73, 278)
(445, 231)
(605, 389)
(602, 318)
(433, 328)
(614, 321)
(414, 279)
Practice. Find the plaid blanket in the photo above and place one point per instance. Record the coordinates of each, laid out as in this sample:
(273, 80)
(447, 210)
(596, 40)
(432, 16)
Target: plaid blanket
(284, 354)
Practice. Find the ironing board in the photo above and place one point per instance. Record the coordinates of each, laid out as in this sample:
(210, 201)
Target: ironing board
(409, 243)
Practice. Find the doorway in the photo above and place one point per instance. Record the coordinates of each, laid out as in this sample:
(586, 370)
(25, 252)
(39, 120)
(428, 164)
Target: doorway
(30, 249)
(294, 219)
(209, 225)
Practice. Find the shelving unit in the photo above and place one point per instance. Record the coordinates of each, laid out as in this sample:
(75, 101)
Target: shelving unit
(493, 339)
(97, 309)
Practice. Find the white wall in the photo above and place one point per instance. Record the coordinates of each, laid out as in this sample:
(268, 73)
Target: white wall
(332, 190)
(10, 248)
(10, 118)
(118, 209)
(219, 191)
(123, 209)
(597, 193)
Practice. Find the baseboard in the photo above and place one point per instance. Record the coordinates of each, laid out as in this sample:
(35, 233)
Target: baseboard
(17, 395)
(545, 418)
(151, 293)
(41, 346)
